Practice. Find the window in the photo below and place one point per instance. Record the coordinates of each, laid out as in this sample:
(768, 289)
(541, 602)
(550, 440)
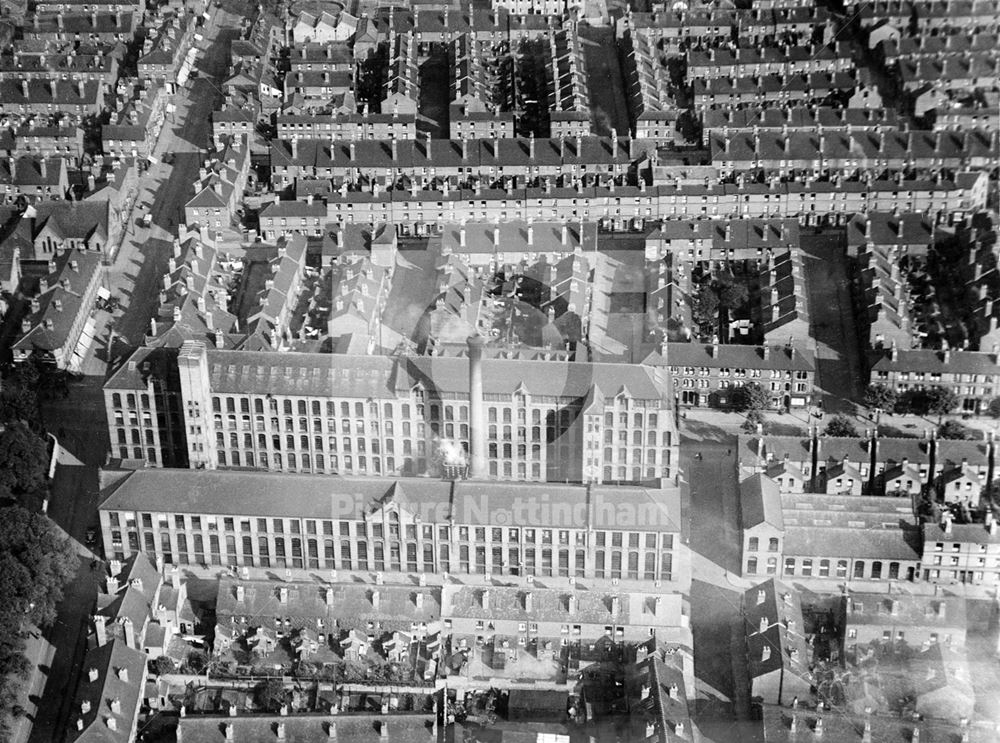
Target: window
(841, 568)
(752, 566)
(754, 544)
(772, 544)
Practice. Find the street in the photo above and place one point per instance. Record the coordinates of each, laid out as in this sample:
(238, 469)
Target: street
(79, 421)
(828, 286)
(605, 83)
(716, 618)
(140, 264)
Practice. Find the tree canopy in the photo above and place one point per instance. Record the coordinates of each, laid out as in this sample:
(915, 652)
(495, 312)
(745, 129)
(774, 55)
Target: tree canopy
(941, 401)
(994, 408)
(754, 418)
(732, 295)
(24, 460)
(705, 307)
(881, 396)
(750, 397)
(270, 694)
(955, 430)
(840, 425)
(36, 563)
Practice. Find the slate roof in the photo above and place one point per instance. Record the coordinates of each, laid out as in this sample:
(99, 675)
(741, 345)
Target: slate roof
(248, 493)
(139, 583)
(760, 502)
(552, 605)
(666, 703)
(60, 305)
(799, 117)
(841, 726)
(961, 533)
(350, 605)
(380, 377)
(782, 630)
(935, 362)
(737, 356)
(120, 673)
(900, 609)
(311, 728)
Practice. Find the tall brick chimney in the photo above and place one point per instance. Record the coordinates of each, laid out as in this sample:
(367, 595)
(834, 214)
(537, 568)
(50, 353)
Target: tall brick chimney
(477, 413)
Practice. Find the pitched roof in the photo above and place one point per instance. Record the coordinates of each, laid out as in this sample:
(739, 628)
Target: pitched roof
(738, 356)
(775, 630)
(760, 502)
(311, 728)
(113, 673)
(232, 492)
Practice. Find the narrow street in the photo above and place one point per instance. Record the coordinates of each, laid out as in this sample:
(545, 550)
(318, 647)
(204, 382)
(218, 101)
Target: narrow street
(142, 260)
(716, 618)
(79, 420)
(828, 286)
(605, 82)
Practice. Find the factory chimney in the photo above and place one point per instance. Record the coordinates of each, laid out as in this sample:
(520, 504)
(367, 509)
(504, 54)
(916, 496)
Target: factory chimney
(477, 414)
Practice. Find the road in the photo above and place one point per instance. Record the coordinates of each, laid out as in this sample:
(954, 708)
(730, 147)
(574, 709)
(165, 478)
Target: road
(79, 420)
(140, 264)
(828, 286)
(716, 619)
(605, 82)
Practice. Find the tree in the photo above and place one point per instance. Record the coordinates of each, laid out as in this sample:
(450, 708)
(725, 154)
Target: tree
(164, 664)
(994, 408)
(270, 694)
(941, 401)
(955, 430)
(731, 293)
(36, 562)
(754, 418)
(881, 396)
(840, 425)
(750, 397)
(24, 459)
(197, 661)
(705, 307)
(18, 403)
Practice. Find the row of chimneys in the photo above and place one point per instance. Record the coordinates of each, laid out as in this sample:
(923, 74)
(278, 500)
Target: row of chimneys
(54, 86)
(394, 146)
(528, 602)
(816, 444)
